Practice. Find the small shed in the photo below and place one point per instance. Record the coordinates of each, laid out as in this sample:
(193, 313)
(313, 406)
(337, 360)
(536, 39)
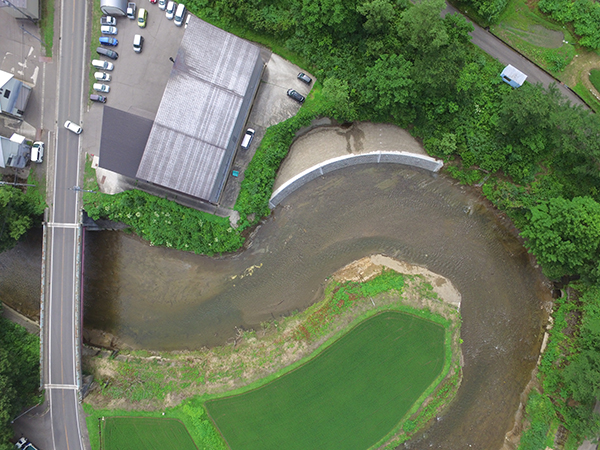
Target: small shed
(14, 152)
(513, 76)
(114, 7)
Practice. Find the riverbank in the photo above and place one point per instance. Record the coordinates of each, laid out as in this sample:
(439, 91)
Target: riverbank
(157, 380)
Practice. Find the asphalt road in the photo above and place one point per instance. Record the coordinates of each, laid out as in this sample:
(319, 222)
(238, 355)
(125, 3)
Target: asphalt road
(61, 330)
(493, 46)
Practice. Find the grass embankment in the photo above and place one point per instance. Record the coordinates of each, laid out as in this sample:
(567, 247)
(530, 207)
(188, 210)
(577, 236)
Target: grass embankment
(154, 381)
(348, 397)
(47, 25)
(122, 433)
(95, 35)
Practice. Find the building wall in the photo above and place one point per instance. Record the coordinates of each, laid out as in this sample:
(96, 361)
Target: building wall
(114, 7)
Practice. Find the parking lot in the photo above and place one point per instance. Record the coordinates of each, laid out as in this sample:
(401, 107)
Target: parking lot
(138, 82)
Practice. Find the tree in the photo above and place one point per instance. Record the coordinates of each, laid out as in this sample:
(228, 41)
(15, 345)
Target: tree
(336, 94)
(379, 15)
(564, 235)
(17, 214)
(387, 86)
(422, 29)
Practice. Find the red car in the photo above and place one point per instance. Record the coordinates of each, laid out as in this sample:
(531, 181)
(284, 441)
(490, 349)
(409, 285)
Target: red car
(152, 1)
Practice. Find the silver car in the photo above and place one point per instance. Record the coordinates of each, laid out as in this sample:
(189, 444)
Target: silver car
(104, 65)
(108, 29)
(170, 10)
(101, 87)
(162, 4)
(102, 76)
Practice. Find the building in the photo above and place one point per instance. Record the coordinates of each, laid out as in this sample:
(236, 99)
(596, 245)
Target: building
(22, 9)
(190, 146)
(113, 7)
(14, 95)
(14, 152)
(513, 76)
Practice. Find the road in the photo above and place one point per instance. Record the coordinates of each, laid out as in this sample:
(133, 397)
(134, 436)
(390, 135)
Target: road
(493, 46)
(61, 328)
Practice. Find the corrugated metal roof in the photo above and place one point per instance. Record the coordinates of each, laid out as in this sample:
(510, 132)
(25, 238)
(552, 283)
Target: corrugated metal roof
(195, 130)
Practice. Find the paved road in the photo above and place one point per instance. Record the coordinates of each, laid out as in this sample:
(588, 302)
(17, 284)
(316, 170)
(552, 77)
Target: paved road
(493, 46)
(61, 327)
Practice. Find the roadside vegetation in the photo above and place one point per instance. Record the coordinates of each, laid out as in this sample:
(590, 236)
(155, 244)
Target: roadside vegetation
(19, 375)
(47, 25)
(151, 380)
(118, 433)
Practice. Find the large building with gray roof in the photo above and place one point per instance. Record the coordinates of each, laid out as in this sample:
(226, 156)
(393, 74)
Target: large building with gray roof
(200, 120)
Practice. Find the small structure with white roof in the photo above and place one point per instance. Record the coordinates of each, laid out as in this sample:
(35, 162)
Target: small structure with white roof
(513, 76)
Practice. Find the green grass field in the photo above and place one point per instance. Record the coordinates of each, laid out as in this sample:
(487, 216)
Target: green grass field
(348, 397)
(595, 78)
(145, 433)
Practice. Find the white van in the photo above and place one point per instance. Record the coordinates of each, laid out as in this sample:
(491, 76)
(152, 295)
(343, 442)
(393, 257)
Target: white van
(247, 138)
(37, 152)
(180, 14)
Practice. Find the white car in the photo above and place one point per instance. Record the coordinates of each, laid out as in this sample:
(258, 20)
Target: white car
(102, 76)
(170, 10)
(37, 152)
(104, 65)
(108, 20)
(162, 4)
(73, 127)
(138, 43)
(101, 87)
(108, 29)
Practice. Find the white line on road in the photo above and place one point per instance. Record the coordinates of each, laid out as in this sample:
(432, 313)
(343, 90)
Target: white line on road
(61, 386)
(62, 225)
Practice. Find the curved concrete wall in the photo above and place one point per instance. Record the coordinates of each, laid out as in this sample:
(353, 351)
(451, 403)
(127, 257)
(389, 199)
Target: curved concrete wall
(408, 159)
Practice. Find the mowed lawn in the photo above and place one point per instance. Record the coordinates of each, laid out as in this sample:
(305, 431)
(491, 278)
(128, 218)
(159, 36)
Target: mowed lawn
(145, 433)
(348, 397)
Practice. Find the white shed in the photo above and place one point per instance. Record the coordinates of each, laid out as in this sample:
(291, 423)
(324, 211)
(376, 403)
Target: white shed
(513, 76)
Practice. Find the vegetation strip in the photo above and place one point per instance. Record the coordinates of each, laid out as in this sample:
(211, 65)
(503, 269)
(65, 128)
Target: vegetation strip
(133, 433)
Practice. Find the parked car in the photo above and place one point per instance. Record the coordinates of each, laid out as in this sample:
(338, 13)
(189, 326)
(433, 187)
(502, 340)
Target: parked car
(247, 138)
(106, 52)
(98, 98)
(110, 41)
(37, 152)
(24, 444)
(170, 10)
(73, 127)
(162, 4)
(303, 77)
(180, 14)
(142, 18)
(138, 43)
(108, 20)
(295, 95)
(102, 76)
(100, 87)
(152, 1)
(131, 9)
(108, 29)
(104, 65)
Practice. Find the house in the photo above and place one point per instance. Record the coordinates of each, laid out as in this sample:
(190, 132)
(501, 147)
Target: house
(22, 9)
(14, 152)
(14, 95)
(513, 76)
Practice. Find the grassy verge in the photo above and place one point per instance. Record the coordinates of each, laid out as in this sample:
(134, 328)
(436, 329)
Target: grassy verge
(151, 380)
(595, 78)
(535, 36)
(47, 25)
(587, 96)
(132, 433)
(95, 34)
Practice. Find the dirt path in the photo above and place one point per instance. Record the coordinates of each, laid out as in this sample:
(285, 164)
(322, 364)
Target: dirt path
(328, 142)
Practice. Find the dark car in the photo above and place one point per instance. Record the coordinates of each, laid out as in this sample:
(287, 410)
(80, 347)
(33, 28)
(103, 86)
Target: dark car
(303, 77)
(106, 52)
(104, 40)
(98, 98)
(295, 95)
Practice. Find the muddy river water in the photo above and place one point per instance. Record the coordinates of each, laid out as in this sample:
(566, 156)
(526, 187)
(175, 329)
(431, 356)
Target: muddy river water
(162, 299)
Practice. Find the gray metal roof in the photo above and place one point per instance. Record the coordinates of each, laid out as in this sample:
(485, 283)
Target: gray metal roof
(202, 112)
(123, 139)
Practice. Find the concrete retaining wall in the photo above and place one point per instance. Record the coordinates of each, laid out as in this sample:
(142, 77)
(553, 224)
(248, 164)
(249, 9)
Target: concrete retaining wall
(407, 159)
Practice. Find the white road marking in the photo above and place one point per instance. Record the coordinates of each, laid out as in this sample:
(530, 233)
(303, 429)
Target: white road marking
(62, 225)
